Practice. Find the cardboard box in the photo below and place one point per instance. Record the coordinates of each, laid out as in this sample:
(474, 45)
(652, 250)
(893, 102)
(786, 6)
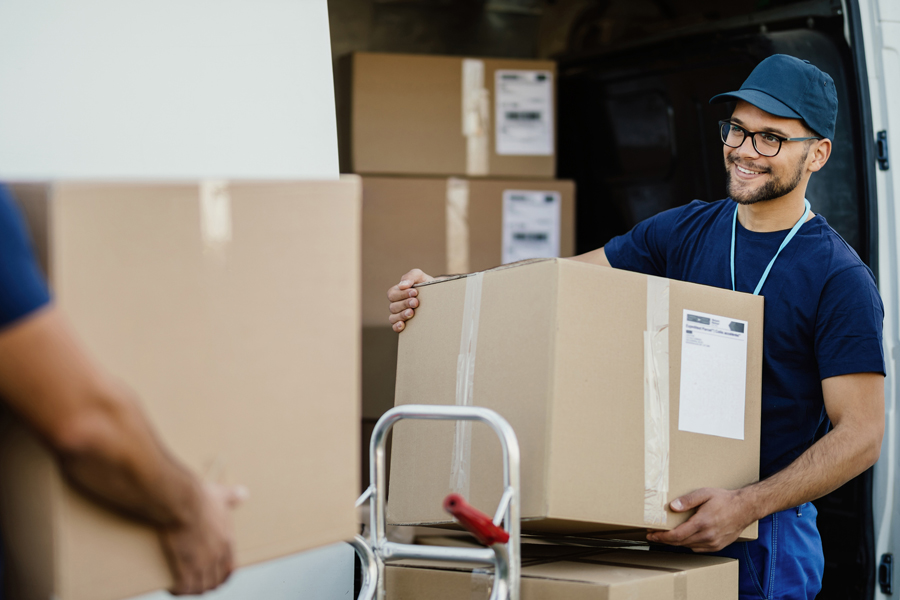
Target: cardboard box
(587, 365)
(418, 223)
(575, 574)
(402, 114)
(202, 298)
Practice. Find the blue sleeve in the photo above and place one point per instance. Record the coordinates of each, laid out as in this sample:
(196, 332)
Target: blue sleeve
(849, 325)
(22, 286)
(644, 249)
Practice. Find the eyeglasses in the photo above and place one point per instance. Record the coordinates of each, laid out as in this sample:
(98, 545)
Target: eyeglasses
(765, 143)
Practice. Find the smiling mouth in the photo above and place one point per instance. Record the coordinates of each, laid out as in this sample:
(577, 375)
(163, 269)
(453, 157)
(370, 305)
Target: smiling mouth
(747, 171)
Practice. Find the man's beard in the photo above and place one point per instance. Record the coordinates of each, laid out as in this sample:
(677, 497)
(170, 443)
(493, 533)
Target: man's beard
(773, 188)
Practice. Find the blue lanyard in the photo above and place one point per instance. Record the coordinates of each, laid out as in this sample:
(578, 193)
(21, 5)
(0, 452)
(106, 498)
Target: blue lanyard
(789, 237)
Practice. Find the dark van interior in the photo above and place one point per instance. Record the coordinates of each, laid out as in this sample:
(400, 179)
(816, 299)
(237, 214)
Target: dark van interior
(638, 136)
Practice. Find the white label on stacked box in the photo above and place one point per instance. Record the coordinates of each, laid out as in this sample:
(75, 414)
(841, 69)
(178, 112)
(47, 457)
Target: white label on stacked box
(531, 224)
(713, 375)
(524, 101)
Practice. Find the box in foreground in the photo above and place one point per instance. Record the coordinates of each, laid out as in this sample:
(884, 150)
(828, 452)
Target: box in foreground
(200, 298)
(625, 392)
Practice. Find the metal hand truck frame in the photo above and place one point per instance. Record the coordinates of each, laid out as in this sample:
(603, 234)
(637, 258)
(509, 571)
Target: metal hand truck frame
(503, 552)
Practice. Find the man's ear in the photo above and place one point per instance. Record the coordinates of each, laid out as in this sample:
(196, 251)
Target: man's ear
(818, 155)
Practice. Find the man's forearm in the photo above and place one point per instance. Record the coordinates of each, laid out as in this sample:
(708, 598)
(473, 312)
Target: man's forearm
(839, 456)
(119, 462)
(104, 442)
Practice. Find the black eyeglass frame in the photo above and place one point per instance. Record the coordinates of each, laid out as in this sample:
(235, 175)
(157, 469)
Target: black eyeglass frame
(752, 135)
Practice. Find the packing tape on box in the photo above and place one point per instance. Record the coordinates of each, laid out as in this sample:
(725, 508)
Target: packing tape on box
(476, 116)
(656, 402)
(215, 213)
(482, 582)
(465, 379)
(457, 209)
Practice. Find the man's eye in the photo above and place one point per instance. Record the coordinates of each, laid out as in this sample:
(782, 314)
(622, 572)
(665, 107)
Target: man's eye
(769, 138)
(735, 129)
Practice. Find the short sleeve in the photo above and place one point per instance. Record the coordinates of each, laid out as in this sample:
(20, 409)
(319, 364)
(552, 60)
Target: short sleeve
(644, 249)
(22, 286)
(849, 325)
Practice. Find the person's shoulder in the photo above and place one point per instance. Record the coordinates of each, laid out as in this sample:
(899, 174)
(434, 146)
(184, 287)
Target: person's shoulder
(699, 215)
(836, 255)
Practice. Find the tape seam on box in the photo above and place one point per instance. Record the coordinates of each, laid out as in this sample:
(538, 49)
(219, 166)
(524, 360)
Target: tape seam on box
(656, 402)
(457, 227)
(465, 379)
(482, 582)
(681, 586)
(476, 116)
(215, 212)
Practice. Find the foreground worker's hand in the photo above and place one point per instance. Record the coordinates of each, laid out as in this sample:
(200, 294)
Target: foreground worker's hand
(403, 298)
(720, 518)
(200, 552)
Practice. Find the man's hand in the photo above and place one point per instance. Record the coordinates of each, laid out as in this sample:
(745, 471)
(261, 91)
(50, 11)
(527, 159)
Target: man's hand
(403, 298)
(720, 518)
(199, 551)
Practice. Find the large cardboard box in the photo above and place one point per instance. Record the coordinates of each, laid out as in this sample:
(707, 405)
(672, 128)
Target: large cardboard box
(575, 574)
(205, 300)
(443, 226)
(625, 392)
(442, 115)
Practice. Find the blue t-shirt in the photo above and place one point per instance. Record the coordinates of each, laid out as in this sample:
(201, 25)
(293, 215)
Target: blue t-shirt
(823, 313)
(22, 286)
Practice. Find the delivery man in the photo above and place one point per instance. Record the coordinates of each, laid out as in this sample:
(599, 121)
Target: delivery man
(95, 427)
(822, 356)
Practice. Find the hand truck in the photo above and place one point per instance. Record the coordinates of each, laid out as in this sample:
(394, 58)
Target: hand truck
(503, 552)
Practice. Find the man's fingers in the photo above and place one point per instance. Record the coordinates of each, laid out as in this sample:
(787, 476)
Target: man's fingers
(691, 500)
(677, 536)
(396, 294)
(406, 315)
(236, 495)
(398, 307)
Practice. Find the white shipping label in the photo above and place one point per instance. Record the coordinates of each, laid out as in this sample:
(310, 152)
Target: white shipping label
(713, 375)
(530, 224)
(524, 101)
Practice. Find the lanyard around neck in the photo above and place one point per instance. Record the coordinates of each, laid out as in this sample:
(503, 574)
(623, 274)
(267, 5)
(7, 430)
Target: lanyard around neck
(789, 237)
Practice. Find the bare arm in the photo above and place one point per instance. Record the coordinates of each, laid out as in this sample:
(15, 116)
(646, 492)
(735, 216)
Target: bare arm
(855, 405)
(107, 448)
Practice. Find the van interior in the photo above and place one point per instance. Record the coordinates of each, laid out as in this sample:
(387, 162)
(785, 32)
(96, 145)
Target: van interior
(637, 134)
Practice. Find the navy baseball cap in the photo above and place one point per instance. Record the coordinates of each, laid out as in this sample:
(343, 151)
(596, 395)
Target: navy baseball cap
(792, 88)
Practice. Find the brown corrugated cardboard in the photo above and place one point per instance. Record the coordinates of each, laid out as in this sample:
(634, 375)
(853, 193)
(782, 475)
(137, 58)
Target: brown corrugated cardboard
(437, 115)
(202, 299)
(561, 354)
(405, 226)
(576, 574)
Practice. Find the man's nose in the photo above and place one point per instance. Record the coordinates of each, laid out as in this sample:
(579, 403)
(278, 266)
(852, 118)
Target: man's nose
(746, 149)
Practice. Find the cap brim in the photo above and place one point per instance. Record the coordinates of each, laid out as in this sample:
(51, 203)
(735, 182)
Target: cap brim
(760, 100)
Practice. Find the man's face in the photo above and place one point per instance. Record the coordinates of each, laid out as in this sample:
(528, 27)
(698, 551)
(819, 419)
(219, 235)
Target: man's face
(751, 177)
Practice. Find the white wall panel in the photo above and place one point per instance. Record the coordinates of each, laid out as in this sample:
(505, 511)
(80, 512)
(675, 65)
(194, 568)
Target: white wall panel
(166, 89)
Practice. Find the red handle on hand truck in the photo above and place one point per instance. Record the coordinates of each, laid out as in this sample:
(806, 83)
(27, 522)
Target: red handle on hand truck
(476, 522)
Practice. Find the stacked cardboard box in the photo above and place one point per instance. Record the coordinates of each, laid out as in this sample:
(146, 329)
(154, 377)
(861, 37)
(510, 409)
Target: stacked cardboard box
(202, 299)
(458, 159)
(625, 392)
(575, 574)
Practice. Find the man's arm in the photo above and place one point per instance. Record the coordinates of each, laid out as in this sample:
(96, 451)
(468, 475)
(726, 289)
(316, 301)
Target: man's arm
(855, 405)
(107, 448)
(403, 296)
